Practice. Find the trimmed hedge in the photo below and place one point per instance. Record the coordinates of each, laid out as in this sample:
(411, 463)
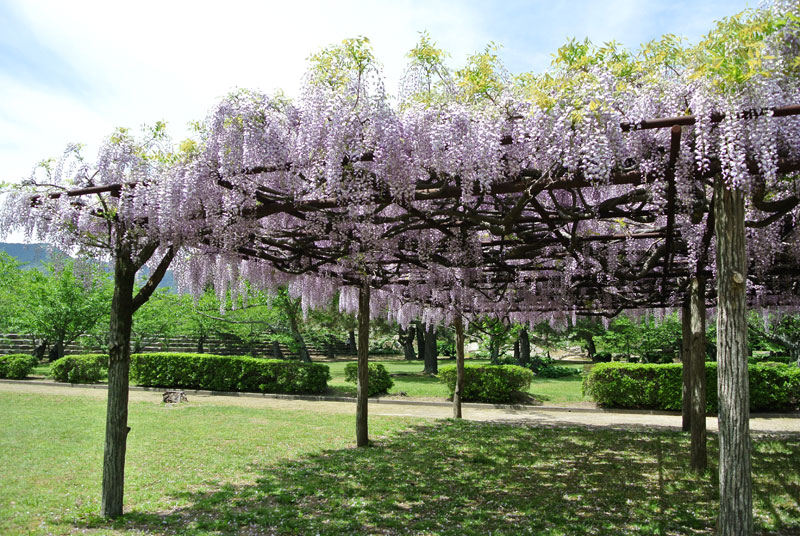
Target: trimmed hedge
(85, 368)
(776, 358)
(17, 366)
(379, 380)
(773, 386)
(489, 383)
(228, 373)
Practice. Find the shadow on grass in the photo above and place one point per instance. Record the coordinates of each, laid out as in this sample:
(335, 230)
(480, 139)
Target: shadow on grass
(477, 478)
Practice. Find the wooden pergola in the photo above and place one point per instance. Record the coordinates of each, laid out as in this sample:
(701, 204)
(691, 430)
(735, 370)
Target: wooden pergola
(521, 233)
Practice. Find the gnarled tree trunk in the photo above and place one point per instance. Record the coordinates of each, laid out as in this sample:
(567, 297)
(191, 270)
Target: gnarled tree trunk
(420, 340)
(406, 339)
(277, 353)
(431, 362)
(524, 348)
(118, 366)
(351, 342)
(735, 480)
(459, 388)
(494, 350)
(57, 351)
(302, 349)
(362, 432)
(123, 306)
(697, 378)
(686, 391)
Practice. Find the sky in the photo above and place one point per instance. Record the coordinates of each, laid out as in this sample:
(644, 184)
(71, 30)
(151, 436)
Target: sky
(74, 71)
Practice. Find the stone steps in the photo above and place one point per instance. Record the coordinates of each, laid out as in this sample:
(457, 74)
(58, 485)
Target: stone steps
(15, 343)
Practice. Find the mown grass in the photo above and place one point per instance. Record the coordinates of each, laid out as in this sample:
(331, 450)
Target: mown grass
(409, 379)
(51, 454)
(226, 470)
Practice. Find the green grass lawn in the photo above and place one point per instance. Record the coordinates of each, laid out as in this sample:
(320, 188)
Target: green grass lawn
(51, 454)
(228, 470)
(409, 379)
(42, 369)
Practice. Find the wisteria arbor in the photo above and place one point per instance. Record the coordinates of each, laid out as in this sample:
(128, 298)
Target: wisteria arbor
(118, 227)
(530, 197)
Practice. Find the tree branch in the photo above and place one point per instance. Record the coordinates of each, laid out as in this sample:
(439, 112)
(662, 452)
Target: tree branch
(155, 278)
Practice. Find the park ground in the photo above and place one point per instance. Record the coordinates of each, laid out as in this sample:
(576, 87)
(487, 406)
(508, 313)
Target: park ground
(254, 465)
(410, 382)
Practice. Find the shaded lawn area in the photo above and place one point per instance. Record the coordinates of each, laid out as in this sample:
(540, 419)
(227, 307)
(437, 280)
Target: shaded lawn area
(455, 478)
(230, 470)
(51, 450)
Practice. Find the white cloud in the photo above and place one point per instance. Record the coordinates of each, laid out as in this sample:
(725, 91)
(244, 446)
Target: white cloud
(139, 62)
(149, 60)
(165, 60)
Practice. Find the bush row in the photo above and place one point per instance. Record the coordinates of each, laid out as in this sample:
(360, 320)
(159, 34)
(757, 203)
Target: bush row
(379, 380)
(17, 366)
(543, 366)
(84, 368)
(201, 371)
(775, 358)
(773, 386)
(228, 373)
(489, 383)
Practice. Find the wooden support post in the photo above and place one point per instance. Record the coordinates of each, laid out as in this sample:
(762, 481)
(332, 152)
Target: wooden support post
(686, 392)
(459, 389)
(431, 357)
(697, 367)
(362, 432)
(118, 368)
(735, 479)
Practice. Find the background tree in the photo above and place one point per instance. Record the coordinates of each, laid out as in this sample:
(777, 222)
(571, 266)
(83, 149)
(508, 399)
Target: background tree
(776, 334)
(157, 320)
(62, 302)
(491, 332)
(11, 289)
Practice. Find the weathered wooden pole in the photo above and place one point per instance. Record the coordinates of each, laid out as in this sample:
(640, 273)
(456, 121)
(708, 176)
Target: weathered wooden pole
(697, 367)
(123, 305)
(686, 392)
(119, 350)
(524, 347)
(431, 358)
(362, 431)
(459, 389)
(735, 479)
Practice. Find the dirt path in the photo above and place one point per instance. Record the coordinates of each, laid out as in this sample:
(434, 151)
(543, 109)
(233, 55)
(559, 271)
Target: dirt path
(477, 412)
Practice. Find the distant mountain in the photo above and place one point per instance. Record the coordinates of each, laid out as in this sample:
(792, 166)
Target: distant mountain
(30, 255)
(35, 255)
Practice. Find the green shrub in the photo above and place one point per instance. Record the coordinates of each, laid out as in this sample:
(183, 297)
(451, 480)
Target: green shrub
(556, 371)
(17, 366)
(489, 383)
(771, 357)
(379, 380)
(86, 368)
(228, 373)
(773, 386)
(543, 366)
